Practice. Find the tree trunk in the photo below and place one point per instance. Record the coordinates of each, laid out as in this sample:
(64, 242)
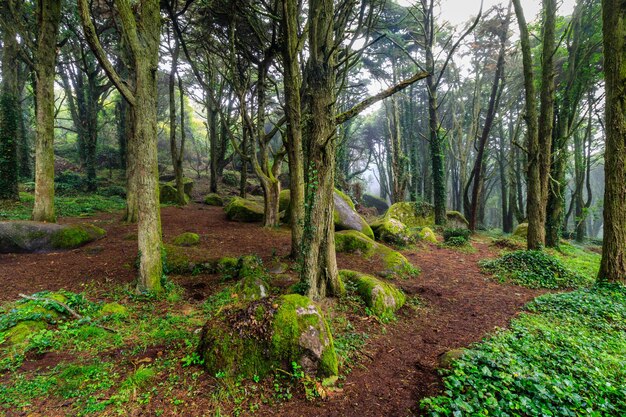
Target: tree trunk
(48, 18)
(613, 264)
(174, 151)
(319, 260)
(10, 113)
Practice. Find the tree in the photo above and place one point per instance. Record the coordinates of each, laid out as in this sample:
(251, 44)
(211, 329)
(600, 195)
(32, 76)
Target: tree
(141, 29)
(48, 20)
(539, 126)
(10, 110)
(613, 264)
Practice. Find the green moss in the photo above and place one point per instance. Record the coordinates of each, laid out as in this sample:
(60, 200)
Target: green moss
(113, 309)
(412, 214)
(521, 230)
(214, 200)
(353, 241)
(187, 186)
(187, 239)
(177, 260)
(75, 235)
(391, 230)
(23, 331)
(242, 210)
(284, 200)
(396, 264)
(169, 195)
(426, 234)
(382, 298)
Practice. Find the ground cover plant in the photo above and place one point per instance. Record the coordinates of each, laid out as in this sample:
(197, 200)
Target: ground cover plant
(563, 357)
(535, 269)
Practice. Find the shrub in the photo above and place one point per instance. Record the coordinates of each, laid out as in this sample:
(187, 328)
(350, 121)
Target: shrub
(456, 233)
(456, 241)
(534, 269)
(231, 178)
(113, 191)
(68, 183)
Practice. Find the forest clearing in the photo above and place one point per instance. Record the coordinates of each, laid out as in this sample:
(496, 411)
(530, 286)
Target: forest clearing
(312, 208)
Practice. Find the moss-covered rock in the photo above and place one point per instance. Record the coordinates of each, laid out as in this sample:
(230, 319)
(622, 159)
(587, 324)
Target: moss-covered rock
(214, 200)
(383, 298)
(243, 210)
(113, 309)
(169, 195)
(269, 333)
(447, 359)
(521, 230)
(27, 236)
(426, 234)
(412, 214)
(379, 204)
(456, 220)
(231, 178)
(253, 279)
(346, 217)
(187, 239)
(395, 264)
(390, 230)
(177, 260)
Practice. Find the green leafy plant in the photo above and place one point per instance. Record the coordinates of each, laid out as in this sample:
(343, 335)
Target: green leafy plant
(534, 269)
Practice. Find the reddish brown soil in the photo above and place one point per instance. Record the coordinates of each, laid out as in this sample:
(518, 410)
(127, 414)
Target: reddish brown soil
(397, 367)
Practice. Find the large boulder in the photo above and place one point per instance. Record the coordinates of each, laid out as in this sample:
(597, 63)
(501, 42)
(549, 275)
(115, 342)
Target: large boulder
(390, 230)
(379, 204)
(257, 337)
(187, 185)
(382, 298)
(395, 264)
(456, 220)
(244, 210)
(187, 239)
(346, 216)
(27, 236)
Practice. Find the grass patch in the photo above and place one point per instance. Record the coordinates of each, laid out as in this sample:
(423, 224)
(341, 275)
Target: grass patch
(75, 206)
(578, 259)
(535, 269)
(564, 357)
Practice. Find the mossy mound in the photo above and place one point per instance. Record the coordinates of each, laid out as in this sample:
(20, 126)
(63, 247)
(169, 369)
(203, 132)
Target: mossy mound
(76, 235)
(382, 298)
(113, 309)
(231, 178)
(521, 230)
(169, 195)
(243, 210)
(187, 239)
(395, 264)
(426, 234)
(447, 359)
(390, 230)
(253, 279)
(456, 220)
(379, 204)
(346, 217)
(214, 200)
(23, 331)
(28, 237)
(267, 334)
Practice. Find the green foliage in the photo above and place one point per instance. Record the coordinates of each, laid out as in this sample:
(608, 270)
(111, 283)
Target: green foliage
(563, 358)
(231, 178)
(81, 206)
(456, 241)
(535, 269)
(69, 183)
(459, 234)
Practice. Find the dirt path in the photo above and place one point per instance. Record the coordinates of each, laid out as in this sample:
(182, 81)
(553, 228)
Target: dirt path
(398, 368)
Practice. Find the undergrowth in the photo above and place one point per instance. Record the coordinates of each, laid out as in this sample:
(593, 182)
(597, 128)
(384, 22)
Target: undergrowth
(75, 206)
(564, 357)
(535, 269)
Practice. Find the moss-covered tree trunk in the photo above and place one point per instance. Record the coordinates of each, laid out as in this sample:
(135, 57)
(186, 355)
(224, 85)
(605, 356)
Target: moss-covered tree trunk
(613, 264)
(10, 109)
(292, 83)
(319, 260)
(176, 154)
(48, 19)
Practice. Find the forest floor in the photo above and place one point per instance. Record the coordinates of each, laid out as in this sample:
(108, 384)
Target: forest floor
(395, 366)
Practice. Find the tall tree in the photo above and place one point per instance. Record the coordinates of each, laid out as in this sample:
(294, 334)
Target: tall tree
(539, 126)
(141, 29)
(10, 110)
(613, 264)
(48, 20)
